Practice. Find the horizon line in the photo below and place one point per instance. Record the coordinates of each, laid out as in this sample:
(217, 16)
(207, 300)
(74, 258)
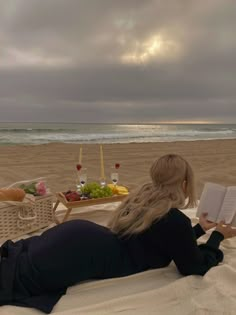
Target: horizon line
(125, 123)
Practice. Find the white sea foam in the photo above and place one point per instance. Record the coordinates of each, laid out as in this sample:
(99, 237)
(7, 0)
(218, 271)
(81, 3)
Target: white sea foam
(104, 133)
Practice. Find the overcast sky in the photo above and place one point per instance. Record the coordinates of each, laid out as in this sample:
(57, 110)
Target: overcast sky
(118, 61)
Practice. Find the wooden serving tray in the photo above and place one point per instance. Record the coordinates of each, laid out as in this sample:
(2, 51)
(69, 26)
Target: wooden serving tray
(70, 205)
(89, 202)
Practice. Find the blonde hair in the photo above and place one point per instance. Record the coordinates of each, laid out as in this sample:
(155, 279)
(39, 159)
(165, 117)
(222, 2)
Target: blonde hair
(153, 200)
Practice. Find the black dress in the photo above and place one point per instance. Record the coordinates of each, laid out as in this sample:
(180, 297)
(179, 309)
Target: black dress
(37, 271)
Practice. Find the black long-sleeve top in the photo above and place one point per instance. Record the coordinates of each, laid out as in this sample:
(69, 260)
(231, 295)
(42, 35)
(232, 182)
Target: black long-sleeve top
(36, 272)
(173, 238)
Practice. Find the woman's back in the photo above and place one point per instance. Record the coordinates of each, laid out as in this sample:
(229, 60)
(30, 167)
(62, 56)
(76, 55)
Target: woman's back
(78, 250)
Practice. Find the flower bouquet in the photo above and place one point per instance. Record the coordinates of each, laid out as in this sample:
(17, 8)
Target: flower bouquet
(35, 188)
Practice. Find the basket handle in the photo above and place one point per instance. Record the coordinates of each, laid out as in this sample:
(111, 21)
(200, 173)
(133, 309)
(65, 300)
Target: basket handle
(16, 184)
(34, 217)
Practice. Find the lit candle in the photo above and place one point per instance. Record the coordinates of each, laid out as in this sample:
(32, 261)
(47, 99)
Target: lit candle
(102, 163)
(80, 155)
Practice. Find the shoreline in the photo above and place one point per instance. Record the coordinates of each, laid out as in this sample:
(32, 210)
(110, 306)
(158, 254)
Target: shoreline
(212, 160)
(111, 143)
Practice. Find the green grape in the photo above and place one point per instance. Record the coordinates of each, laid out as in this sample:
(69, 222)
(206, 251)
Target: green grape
(96, 191)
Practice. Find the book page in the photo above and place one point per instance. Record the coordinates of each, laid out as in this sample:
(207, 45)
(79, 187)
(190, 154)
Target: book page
(228, 208)
(211, 201)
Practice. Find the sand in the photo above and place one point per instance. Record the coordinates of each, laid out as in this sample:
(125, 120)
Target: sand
(212, 160)
(160, 291)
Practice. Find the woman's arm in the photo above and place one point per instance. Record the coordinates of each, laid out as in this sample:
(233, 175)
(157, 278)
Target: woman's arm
(203, 225)
(198, 230)
(182, 247)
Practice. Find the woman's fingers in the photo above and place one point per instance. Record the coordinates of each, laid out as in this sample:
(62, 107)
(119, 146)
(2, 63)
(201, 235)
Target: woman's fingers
(233, 232)
(226, 229)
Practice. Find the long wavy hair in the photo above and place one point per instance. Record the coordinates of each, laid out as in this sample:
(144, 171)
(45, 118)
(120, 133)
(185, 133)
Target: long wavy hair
(172, 186)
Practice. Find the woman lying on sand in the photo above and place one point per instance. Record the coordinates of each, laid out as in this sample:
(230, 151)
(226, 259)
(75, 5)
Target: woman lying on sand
(146, 231)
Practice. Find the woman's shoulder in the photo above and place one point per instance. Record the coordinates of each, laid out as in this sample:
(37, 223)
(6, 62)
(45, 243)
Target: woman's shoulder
(174, 222)
(174, 217)
(176, 213)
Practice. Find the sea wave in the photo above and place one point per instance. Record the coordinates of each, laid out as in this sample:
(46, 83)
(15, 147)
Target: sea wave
(114, 138)
(114, 133)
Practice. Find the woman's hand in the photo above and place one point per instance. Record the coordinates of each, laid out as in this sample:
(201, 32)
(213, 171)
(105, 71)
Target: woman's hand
(226, 230)
(205, 224)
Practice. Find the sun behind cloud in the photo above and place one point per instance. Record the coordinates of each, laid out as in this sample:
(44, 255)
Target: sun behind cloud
(155, 47)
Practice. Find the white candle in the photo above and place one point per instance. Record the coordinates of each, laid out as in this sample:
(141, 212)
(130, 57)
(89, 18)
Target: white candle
(102, 163)
(80, 155)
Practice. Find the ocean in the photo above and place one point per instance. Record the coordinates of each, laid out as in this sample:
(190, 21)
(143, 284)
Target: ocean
(39, 133)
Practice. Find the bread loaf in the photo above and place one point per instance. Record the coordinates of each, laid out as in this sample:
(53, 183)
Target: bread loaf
(12, 194)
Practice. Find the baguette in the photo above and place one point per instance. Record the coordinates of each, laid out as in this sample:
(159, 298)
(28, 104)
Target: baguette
(12, 194)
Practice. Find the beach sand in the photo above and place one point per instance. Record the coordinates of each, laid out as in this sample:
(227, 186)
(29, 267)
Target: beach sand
(212, 160)
(157, 291)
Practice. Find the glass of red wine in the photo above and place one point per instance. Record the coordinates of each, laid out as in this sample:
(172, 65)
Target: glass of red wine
(81, 178)
(115, 174)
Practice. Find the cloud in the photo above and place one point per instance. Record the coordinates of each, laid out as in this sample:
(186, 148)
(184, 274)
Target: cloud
(133, 60)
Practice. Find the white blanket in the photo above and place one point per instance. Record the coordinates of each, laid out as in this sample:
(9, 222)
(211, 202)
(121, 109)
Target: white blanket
(162, 291)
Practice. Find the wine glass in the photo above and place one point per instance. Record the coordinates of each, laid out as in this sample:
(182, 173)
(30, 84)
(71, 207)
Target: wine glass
(102, 182)
(77, 179)
(83, 177)
(114, 178)
(77, 184)
(81, 180)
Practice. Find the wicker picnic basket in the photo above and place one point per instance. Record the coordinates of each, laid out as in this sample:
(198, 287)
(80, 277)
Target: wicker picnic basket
(19, 218)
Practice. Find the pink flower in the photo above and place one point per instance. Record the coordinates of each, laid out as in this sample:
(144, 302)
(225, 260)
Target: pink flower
(41, 189)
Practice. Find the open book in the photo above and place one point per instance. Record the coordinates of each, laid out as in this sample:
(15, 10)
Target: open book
(219, 202)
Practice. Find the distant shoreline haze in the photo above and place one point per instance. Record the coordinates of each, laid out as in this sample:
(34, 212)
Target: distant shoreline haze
(123, 123)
